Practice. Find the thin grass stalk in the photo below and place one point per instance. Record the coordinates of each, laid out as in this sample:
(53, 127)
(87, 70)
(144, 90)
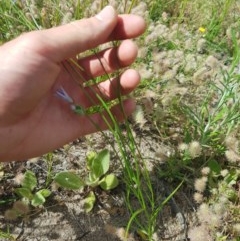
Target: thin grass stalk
(134, 150)
(121, 139)
(133, 217)
(133, 176)
(21, 18)
(133, 3)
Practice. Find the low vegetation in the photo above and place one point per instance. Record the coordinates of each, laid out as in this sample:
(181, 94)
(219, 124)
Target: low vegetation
(188, 110)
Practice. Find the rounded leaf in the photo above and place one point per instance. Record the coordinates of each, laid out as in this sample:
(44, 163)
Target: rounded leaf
(100, 163)
(89, 201)
(29, 180)
(45, 192)
(214, 166)
(24, 192)
(92, 181)
(69, 180)
(109, 182)
(90, 157)
(38, 199)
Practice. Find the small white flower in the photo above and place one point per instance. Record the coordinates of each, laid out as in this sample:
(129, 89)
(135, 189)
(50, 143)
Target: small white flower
(205, 171)
(195, 149)
(224, 172)
(200, 184)
(198, 197)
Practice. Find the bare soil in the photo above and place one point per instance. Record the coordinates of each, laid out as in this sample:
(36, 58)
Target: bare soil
(62, 217)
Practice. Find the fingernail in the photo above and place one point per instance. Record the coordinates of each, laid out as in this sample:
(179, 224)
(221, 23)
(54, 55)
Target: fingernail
(107, 13)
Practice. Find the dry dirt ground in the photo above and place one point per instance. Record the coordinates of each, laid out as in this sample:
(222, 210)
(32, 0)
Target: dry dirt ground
(62, 216)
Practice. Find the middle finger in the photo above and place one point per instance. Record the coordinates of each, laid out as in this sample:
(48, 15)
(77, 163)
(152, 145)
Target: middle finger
(108, 61)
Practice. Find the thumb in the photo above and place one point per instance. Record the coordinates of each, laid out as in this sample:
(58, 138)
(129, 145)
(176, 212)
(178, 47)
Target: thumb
(68, 40)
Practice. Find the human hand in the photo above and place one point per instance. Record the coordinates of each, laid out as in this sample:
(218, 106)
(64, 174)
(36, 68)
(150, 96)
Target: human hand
(33, 120)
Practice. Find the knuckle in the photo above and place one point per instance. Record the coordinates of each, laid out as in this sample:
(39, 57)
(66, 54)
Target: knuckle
(29, 41)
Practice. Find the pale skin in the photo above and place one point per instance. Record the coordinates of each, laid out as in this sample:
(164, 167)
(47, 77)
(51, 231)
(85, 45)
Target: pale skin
(33, 121)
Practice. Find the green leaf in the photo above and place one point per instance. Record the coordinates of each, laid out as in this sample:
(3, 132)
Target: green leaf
(100, 163)
(89, 202)
(92, 180)
(69, 180)
(24, 192)
(38, 199)
(232, 177)
(109, 182)
(231, 194)
(29, 180)
(90, 157)
(45, 192)
(214, 166)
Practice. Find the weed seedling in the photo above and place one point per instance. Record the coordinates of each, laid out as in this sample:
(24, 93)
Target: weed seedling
(98, 166)
(28, 192)
(29, 196)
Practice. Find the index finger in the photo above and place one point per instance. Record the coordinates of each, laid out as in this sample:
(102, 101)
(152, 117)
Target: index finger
(66, 41)
(128, 26)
